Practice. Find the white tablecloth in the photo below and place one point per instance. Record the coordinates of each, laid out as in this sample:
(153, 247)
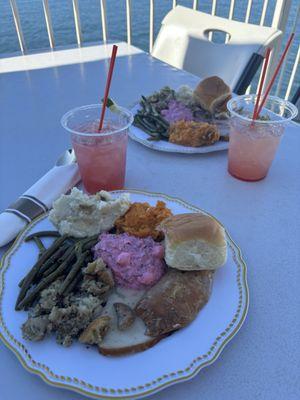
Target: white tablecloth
(262, 362)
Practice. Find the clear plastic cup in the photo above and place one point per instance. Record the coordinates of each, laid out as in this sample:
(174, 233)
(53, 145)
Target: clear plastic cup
(101, 156)
(253, 144)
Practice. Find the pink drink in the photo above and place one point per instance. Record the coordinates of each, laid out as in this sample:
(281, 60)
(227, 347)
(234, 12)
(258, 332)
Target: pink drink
(102, 164)
(251, 152)
(101, 156)
(253, 144)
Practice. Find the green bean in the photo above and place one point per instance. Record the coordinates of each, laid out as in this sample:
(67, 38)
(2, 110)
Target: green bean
(88, 239)
(29, 278)
(39, 244)
(154, 136)
(151, 122)
(55, 256)
(138, 119)
(30, 297)
(158, 124)
(148, 124)
(89, 245)
(153, 110)
(73, 283)
(63, 261)
(146, 104)
(163, 121)
(41, 234)
(74, 270)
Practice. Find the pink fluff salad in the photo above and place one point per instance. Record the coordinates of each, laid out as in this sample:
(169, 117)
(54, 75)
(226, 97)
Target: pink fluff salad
(177, 111)
(136, 263)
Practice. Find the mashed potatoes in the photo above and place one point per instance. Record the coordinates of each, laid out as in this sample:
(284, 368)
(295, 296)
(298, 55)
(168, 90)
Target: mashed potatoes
(81, 215)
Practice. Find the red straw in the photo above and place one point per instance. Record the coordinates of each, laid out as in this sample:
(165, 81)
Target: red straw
(261, 84)
(269, 87)
(107, 87)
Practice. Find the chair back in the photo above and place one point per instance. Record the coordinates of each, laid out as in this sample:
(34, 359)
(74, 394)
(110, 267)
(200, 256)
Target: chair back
(183, 42)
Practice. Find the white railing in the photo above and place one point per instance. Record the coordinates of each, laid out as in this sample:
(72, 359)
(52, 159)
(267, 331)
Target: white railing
(77, 22)
(128, 20)
(281, 16)
(103, 19)
(48, 23)
(151, 27)
(15, 12)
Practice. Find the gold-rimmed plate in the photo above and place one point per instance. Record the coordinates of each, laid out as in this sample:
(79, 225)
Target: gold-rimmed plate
(175, 359)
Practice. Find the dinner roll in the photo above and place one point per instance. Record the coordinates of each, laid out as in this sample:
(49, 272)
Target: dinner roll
(212, 94)
(194, 242)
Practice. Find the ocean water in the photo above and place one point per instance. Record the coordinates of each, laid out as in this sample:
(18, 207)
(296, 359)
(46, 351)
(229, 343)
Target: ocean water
(34, 27)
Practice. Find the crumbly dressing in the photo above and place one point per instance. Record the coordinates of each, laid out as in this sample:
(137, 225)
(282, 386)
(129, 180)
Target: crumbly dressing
(68, 316)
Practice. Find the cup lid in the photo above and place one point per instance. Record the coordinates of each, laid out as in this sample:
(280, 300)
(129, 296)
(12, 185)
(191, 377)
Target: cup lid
(288, 111)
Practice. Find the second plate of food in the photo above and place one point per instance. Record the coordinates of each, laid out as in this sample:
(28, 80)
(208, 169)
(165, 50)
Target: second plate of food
(142, 137)
(185, 120)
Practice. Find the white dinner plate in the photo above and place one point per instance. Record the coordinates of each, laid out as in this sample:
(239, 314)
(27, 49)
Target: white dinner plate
(174, 359)
(140, 136)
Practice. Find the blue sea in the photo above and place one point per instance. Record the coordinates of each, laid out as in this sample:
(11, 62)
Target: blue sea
(34, 27)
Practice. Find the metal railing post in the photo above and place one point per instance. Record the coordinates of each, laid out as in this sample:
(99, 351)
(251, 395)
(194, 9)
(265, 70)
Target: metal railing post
(195, 5)
(128, 20)
(103, 19)
(151, 30)
(280, 18)
(213, 7)
(15, 12)
(283, 68)
(174, 4)
(77, 22)
(263, 13)
(231, 9)
(293, 74)
(230, 16)
(213, 12)
(248, 11)
(48, 23)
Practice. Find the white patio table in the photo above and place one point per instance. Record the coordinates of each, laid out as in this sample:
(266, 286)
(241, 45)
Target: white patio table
(262, 362)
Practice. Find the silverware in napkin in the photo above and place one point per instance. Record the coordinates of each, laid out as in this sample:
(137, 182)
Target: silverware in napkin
(39, 198)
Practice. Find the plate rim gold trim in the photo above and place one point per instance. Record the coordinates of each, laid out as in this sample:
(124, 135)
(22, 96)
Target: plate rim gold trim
(139, 391)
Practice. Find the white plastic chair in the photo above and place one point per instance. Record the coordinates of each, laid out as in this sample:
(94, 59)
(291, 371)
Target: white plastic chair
(183, 42)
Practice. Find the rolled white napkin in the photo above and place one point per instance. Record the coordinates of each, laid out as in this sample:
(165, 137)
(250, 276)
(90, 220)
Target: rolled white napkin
(57, 181)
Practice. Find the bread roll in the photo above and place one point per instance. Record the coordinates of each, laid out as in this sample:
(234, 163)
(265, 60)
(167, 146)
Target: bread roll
(212, 94)
(194, 241)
